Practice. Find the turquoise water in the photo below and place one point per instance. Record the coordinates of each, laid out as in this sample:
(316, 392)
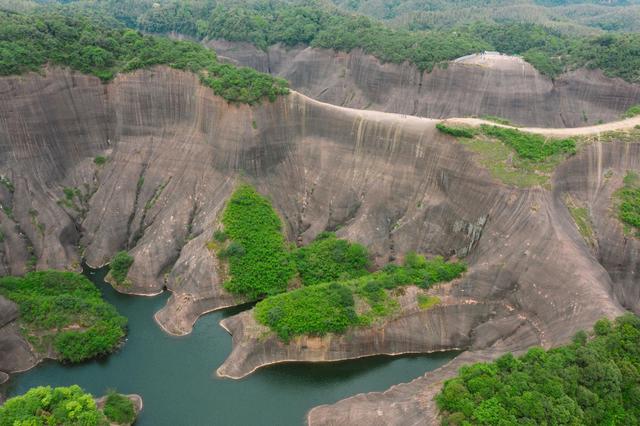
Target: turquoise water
(176, 375)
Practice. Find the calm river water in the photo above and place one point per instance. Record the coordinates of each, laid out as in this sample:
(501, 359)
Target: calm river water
(176, 375)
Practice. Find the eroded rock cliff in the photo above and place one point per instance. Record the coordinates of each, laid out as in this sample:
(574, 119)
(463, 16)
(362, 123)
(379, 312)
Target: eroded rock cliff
(488, 84)
(174, 152)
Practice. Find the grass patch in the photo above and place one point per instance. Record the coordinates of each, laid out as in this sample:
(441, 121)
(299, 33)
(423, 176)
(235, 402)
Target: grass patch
(329, 259)
(65, 308)
(498, 120)
(632, 111)
(259, 262)
(530, 146)
(582, 219)
(512, 156)
(119, 409)
(456, 131)
(628, 203)
(119, 267)
(331, 308)
(425, 302)
(592, 381)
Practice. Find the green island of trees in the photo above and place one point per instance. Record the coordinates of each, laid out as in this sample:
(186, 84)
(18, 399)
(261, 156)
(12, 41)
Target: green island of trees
(103, 47)
(119, 409)
(65, 406)
(119, 267)
(628, 198)
(330, 307)
(65, 312)
(592, 381)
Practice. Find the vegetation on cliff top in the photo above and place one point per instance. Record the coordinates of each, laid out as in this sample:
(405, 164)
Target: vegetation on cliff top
(62, 406)
(64, 311)
(259, 262)
(512, 156)
(263, 24)
(330, 307)
(628, 200)
(592, 381)
(102, 47)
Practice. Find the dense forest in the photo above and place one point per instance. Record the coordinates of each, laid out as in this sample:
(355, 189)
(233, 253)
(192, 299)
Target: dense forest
(573, 16)
(592, 381)
(550, 49)
(103, 47)
(65, 406)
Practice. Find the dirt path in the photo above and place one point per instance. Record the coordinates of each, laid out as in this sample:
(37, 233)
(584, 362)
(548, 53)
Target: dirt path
(626, 124)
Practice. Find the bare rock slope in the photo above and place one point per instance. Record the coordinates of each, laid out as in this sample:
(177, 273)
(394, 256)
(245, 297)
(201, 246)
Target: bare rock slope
(174, 152)
(483, 84)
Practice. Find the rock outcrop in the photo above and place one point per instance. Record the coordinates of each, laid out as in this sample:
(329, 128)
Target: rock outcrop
(15, 352)
(487, 84)
(174, 152)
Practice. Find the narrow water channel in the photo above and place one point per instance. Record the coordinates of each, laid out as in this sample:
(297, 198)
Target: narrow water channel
(176, 375)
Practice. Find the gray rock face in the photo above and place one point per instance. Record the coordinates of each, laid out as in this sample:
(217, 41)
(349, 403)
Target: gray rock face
(15, 352)
(391, 182)
(496, 85)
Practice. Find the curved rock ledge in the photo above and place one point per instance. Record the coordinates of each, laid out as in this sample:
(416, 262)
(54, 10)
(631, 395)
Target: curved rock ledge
(443, 327)
(476, 85)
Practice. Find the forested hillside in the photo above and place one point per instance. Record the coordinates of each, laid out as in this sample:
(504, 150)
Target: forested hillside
(103, 47)
(314, 22)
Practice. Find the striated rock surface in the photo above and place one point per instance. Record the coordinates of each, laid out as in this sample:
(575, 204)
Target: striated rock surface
(15, 352)
(391, 182)
(488, 84)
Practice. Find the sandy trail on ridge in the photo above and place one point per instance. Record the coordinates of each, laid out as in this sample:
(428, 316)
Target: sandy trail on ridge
(625, 124)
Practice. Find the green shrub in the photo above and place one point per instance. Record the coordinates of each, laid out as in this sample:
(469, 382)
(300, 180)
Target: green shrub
(6, 182)
(119, 266)
(46, 406)
(632, 111)
(329, 258)
(234, 249)
(220, 236)
(592, 381)
(263, 266)
(528, 145)
(100, 160)
(66, 310)
(119, 409)
(629, 201)
(315, 310)
(456, 132)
